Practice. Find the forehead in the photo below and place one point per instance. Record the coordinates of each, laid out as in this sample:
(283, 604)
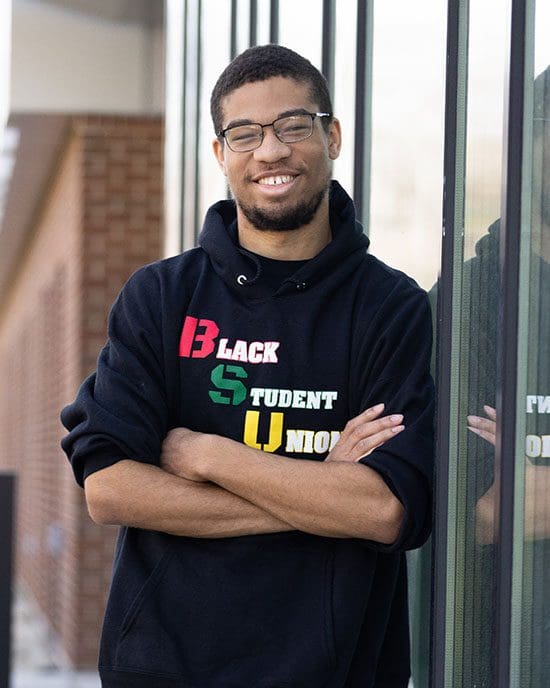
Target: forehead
(264, 101)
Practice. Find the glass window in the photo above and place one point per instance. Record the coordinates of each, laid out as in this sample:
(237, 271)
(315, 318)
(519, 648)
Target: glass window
(407, 136)
(344, 88)
(293, 18)
(473, 476)
(191, 123)
(534, 352)
(242, 25)
(216, 48)
(408, 83)
(263, 22)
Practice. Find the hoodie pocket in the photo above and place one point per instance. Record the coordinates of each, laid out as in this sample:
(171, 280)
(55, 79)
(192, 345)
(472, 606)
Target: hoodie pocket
(238, 613)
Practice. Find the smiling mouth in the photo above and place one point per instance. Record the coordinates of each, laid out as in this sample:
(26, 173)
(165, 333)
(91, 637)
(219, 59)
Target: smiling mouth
(276, 180)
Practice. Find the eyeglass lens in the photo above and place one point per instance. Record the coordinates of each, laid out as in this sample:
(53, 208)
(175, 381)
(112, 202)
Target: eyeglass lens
(287, 129)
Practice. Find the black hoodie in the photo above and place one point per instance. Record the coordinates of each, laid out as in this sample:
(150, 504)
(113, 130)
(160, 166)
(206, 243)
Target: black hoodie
(203, 341)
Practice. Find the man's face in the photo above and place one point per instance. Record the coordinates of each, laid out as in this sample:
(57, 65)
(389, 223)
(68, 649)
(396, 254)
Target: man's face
(279, 186)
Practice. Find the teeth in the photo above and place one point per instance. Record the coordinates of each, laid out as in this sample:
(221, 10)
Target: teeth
(273, 181)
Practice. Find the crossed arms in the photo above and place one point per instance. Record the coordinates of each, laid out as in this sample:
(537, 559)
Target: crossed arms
(211, 486)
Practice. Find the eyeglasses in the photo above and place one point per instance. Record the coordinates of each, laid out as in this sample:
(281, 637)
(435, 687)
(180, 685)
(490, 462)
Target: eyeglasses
(244, 138)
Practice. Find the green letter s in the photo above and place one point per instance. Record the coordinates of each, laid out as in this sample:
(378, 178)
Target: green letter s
(238, 389)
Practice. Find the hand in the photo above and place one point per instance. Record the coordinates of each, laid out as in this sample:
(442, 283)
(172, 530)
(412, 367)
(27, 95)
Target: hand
(182, 452)
(486, 509)
(364, 433)
(486, 428)
(537, 488)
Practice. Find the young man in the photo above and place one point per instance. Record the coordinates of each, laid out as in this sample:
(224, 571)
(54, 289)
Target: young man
(260, 423)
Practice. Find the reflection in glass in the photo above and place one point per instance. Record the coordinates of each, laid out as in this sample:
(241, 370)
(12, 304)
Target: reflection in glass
(534, 347)
(477, 477)
(535, 635)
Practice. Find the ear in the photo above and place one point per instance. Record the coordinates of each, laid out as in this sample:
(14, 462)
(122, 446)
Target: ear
(219, 151)
(334, 139)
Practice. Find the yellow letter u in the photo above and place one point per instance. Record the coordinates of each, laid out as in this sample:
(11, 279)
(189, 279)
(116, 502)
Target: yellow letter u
(251, 423)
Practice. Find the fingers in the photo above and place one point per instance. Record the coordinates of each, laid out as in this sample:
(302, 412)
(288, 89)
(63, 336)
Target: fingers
(487, 436)
(367, 445)
(369, 414)
(373, 427)
(491, 412)
(367, 436)
(482, 423)
(364, 433)
(484, 427)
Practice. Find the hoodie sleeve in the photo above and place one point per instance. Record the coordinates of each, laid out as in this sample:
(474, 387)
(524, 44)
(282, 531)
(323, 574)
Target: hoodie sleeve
(394, 368)
(121, 410)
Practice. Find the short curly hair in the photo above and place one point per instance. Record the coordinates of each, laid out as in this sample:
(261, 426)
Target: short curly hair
(263, 62)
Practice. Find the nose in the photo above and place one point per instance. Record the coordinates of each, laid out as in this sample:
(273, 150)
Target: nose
(272, 149)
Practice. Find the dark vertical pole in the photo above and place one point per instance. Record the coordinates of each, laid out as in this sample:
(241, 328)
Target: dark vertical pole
(363, 110)
(507, 350)
(253, 30)
(449, 288)
(274, 21)
(233, 44)
(232, 52)
(183, 123)
(329, 25)
(198, 72)
(7, 501)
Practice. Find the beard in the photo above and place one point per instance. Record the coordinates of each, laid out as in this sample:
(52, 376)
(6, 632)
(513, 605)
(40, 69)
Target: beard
(284, 219)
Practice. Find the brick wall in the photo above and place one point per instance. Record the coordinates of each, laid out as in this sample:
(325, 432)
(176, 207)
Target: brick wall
(99, 220)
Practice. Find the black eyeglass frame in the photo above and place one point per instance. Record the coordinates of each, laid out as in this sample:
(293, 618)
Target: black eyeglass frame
(313, 115)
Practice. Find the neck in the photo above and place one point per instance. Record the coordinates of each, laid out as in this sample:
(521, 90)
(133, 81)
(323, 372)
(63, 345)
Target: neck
(297, 244)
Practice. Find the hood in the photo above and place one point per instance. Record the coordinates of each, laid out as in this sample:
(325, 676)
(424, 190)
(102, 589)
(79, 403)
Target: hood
(241, 270)
(487, 246)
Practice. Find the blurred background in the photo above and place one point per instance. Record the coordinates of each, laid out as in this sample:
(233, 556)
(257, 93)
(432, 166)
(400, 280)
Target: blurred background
(81, 204)
(106, 164)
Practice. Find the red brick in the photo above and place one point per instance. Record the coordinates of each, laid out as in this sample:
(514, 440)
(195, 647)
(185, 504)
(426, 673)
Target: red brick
(101, 220)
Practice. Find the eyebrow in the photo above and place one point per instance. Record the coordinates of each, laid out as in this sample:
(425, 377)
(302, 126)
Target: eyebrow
(286, 113)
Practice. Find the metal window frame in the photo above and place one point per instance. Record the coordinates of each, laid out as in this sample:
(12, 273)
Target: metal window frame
(253, 23)
(174, 143)
(197, 219)
(7, 505)
(327, 45)
(363, 111)
(448, 346)
(509, 453)
(274, 21)
(189, 113)
(233, 31)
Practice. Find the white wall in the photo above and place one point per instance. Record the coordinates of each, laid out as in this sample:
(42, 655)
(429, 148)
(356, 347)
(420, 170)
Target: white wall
(5, 51)
(69, 62)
